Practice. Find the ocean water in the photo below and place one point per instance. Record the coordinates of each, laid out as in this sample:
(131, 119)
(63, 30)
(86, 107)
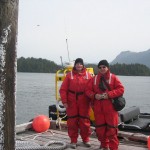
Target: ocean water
(36, 91)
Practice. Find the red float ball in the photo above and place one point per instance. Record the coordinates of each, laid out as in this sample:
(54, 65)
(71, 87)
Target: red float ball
(41, 123)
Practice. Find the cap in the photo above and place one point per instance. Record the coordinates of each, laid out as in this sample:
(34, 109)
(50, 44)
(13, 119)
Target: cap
(103, 62)
(79, 60)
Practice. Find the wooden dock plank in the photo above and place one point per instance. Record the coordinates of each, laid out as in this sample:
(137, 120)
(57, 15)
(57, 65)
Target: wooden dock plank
(56, 135)
(24, 133)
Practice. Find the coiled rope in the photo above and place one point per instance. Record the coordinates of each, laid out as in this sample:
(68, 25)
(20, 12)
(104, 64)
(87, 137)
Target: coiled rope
(24, 144)
(27, 145)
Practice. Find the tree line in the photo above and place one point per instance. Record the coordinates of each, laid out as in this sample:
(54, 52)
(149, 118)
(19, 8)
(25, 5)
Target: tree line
(130, 69)
(36, 65)
(39, 65)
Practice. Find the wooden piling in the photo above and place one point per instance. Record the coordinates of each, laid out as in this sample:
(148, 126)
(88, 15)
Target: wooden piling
(8, 39)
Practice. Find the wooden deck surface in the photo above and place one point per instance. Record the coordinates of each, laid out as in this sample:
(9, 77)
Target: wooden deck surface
(57, 135)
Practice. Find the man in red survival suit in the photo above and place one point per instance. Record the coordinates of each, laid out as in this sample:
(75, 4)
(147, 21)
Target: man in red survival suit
(76, 103)
(106, 117)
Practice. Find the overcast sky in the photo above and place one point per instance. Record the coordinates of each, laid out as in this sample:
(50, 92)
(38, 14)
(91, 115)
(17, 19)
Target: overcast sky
(95, 29)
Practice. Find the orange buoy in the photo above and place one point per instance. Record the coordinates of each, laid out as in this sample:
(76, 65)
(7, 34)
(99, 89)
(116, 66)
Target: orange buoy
(41, 123)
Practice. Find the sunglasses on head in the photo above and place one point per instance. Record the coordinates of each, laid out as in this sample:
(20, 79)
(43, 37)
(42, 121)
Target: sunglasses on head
(102, 67)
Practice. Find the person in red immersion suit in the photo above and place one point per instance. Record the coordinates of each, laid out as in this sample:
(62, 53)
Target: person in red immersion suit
(76, 103)
(106, 117)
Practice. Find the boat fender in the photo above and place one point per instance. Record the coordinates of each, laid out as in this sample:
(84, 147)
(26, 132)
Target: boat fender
(60, 108)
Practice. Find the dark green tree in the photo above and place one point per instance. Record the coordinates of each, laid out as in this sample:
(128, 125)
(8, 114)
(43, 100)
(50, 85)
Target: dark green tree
(36, 65)
(47, 66)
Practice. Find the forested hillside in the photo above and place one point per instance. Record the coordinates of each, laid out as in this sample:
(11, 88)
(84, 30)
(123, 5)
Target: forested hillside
(40, 65)
(36, 65)
(126, 69)
(130, 70)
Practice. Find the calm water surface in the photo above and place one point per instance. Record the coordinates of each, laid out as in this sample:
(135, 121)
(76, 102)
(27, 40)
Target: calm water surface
(36, 91)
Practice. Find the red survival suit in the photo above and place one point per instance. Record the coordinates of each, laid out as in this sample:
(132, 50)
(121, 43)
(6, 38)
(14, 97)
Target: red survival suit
(106, 117)
(72, 93)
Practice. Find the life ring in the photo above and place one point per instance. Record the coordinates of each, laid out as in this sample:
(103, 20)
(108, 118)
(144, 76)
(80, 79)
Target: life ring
(61, 109)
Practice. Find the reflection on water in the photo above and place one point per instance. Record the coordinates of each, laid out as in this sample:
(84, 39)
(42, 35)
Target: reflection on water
(36, 91)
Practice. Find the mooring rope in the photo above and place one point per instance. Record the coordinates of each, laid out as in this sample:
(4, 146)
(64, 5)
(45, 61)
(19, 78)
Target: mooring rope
(24, 144)
(27, 145)
(59, 120)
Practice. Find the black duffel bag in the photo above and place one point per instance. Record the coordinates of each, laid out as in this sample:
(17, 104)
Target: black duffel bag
(119, 103)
